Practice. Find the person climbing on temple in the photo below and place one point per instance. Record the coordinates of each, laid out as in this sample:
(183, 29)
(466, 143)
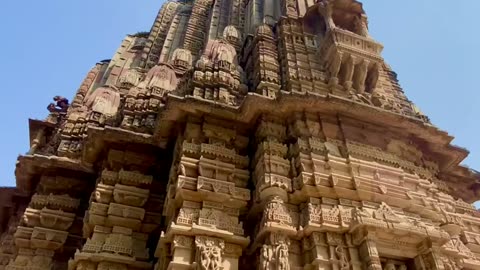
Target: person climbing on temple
(52, 108)
(62, 103)
(61, 106)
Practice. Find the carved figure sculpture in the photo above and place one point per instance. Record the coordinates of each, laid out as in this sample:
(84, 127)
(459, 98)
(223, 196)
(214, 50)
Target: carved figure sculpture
(342, 258)
(210, 253)
(361, 25)
(266, 257)
(326, 9)
(282, 257)
(204, 258)
(216, 259)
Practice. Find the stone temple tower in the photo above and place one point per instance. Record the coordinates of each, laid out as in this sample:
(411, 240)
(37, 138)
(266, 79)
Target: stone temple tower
(242, 134)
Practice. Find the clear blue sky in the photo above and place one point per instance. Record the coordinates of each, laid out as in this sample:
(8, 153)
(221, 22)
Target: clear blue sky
(48, 46)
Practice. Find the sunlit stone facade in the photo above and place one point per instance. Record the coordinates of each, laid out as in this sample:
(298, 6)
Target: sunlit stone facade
(242, 134)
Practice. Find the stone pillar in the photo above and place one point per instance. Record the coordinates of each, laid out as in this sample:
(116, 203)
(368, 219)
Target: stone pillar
(372, 78)
(279, 219)
(232, 254)
(115, 225)
(431, 260)
(368, 252)
(334, 65)
(271, 166)
(369, 255)
(182, 252)
(360, 76)
(206, 193)
(349, 68)
(330, 251)
(45, 226)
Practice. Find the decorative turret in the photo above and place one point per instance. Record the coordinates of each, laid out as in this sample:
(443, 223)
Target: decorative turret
(232, 35)
(182, 60)
(217, 75)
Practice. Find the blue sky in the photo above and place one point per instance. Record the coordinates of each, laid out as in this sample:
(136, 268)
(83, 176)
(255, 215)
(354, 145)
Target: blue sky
(49, 46)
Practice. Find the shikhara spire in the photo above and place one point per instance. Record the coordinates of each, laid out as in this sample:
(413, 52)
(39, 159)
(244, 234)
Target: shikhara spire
(242, 134)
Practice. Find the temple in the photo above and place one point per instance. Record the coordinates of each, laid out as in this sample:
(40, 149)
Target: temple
(242, 134)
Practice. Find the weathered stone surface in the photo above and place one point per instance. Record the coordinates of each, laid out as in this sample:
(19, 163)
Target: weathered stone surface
(236, 134)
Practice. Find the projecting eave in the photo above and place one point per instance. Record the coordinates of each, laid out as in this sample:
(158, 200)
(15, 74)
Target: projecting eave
(433, 140)
(30, 167)
(37, 125)
(99, 137)
(463, 183)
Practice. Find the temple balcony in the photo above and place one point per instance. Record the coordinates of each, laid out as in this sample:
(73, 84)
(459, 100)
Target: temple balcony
(353, 43)
(352, 61)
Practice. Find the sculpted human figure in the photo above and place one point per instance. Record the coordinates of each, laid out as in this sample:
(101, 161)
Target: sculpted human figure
(62, 103)
(344, 265)
(265, 257)
(326, 9)
(283, 257)
(51, 108)
(204, 258)
(216, 260)
(361, 25)
(60, 106)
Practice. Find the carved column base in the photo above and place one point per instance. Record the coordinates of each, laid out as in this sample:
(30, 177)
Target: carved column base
(333, 82)
(361, 89)
(182, 252)
(348, 86)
